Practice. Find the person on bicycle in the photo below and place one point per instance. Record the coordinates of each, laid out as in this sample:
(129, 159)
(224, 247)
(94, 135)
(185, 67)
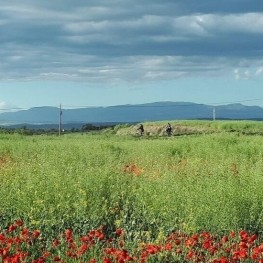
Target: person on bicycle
(140, 130)
(168, 129)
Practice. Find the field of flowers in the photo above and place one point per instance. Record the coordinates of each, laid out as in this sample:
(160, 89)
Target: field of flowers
(108, 198)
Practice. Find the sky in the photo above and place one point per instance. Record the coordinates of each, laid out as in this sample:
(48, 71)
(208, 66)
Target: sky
(114, 52)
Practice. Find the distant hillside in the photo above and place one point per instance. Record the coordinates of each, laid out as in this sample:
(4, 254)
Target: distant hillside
(157, 111)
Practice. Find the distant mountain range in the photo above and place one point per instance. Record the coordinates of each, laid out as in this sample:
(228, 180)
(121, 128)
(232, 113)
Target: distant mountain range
(156, 111)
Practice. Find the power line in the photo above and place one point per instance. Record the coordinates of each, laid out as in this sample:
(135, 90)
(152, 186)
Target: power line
(239, 101)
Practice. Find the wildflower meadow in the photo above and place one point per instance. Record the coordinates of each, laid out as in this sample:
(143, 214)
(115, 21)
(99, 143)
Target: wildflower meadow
(105, 197)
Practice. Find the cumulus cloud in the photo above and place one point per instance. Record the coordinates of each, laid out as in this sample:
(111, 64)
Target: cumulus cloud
(259, 71)
(3, 105)
(129, 40)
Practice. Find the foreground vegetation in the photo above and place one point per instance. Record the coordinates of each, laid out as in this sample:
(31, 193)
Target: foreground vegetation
(19, 244)
(148, 187)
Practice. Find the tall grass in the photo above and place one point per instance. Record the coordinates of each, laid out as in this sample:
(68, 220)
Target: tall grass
(207, 182)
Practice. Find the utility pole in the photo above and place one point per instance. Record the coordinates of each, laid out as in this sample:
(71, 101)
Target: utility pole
(214, 113)
(59, 123)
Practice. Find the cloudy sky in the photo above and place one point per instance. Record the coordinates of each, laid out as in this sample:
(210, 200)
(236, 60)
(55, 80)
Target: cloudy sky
(111, 52)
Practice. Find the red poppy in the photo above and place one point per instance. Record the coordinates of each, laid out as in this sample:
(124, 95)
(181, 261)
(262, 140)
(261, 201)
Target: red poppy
(12, 228)
(119, 232)
(36, 233)
(19, 222)
(106, 260)
(55, 243)
(56, 258)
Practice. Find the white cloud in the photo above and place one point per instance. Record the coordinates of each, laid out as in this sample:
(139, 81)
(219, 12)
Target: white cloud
(212, 24)
(250, 23)
(242, 74)
(236, 73)
(259, 71)
(5, 106)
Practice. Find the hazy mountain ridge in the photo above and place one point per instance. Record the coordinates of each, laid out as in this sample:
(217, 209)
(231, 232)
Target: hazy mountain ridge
(156, 111)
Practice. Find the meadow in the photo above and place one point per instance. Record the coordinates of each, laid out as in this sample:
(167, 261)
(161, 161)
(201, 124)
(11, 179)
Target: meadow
(134, 192)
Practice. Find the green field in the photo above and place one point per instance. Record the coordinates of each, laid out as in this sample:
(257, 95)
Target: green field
(149, 186)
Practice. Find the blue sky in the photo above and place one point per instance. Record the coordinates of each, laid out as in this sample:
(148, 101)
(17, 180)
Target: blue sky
(100, 53)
